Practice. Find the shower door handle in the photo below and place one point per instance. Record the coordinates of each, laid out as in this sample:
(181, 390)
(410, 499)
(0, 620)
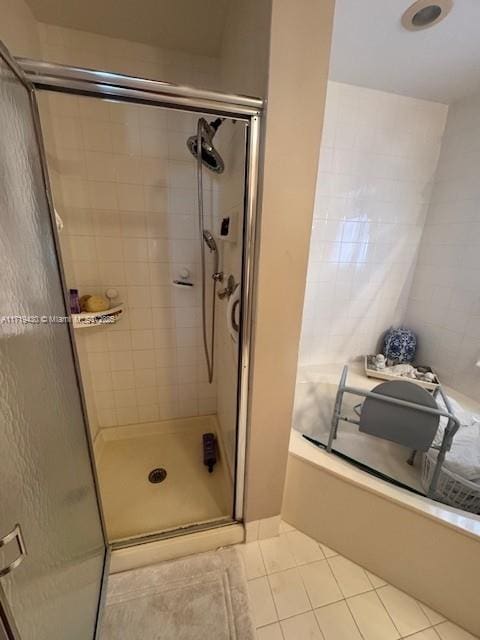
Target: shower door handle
(233, 308)
(15, 534)
(235, 325)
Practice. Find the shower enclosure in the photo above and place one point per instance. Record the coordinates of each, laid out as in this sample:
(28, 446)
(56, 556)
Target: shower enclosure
(158, 230)
(129, 214)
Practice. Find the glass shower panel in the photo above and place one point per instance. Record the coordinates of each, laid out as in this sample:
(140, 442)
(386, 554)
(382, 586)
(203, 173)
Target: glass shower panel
(46, 480)
(125, 185)
(228, 206)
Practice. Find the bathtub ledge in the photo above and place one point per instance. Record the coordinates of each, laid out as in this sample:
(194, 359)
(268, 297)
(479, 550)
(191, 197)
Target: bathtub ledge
(449, 516)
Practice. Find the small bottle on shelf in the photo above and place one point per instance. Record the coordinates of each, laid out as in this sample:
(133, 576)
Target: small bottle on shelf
(74, 301)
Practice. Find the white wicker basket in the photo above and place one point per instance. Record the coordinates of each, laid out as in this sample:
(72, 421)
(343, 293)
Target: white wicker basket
(451, 488)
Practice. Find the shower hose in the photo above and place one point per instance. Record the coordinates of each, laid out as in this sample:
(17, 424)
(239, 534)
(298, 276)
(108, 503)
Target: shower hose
(208, 350)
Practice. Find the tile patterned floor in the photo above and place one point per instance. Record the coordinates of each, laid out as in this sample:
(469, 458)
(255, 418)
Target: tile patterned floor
(302, 590)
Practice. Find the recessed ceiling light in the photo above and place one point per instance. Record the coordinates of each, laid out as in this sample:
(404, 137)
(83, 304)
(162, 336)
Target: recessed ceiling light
(425, 13)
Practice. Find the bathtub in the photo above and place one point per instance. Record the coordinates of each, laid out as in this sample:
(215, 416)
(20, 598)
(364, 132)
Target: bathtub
(314, 403)
(427, 549)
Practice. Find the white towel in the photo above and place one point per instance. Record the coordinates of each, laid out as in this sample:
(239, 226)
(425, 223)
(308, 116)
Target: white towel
(464, 455)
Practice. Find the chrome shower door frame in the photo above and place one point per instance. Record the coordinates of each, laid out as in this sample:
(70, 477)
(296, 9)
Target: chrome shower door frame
(119, 87)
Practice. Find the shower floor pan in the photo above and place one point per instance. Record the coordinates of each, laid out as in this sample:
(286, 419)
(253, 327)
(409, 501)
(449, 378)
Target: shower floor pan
(136, 507)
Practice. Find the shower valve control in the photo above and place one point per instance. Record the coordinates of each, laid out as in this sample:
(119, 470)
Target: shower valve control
(228, 227)
(227, 291)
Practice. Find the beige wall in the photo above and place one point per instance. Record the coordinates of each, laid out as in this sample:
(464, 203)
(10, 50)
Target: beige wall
(298, 70)
(245, 48)
(18, 29)
(86, 49)
(431, 561)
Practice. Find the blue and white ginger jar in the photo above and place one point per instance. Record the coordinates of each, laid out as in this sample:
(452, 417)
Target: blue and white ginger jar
(400, 345)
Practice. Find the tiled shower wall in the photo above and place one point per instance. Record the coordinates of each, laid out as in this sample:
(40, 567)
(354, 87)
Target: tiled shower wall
(125, 188)
(378, 158)
(444, 303)
(125, 185)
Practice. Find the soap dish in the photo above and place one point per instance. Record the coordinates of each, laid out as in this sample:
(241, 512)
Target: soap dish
(86, 319)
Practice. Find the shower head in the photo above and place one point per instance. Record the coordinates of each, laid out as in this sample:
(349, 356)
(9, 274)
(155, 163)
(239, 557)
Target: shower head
(210, 241)
(210, 156)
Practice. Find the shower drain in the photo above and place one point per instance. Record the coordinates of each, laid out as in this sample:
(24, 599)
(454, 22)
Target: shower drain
(157, 475)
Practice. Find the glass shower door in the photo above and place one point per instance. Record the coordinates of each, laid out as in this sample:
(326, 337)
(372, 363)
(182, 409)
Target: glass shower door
(52, 550)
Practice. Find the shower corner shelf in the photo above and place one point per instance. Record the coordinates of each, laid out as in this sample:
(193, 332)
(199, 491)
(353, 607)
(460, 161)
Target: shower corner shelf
(85, 319)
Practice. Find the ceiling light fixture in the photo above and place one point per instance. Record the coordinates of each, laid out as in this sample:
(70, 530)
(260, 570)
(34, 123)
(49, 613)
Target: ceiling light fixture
(425, 13)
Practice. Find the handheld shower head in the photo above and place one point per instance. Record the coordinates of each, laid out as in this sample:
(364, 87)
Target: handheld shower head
(210, 156)
(212, 245)
(210, 241)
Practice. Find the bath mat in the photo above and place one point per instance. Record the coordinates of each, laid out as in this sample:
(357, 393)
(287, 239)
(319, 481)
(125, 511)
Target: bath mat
(200, 596)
